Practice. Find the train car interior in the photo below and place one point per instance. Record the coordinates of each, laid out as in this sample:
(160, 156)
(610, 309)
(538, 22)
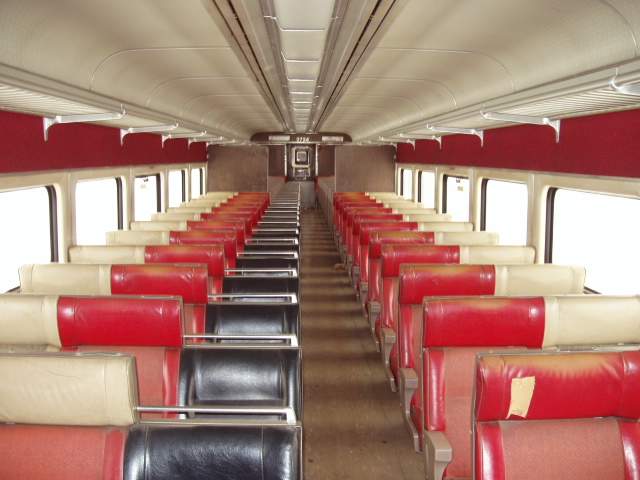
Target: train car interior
(320, 239)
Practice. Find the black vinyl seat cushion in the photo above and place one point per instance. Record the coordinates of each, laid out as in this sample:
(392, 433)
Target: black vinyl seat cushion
(155, 452)
(241, 377)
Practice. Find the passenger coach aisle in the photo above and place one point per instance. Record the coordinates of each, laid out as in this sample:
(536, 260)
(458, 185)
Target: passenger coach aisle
(353, 424)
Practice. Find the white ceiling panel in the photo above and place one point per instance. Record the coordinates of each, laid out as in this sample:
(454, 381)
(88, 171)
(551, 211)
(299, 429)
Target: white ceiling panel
(151, 53)
(440, 56)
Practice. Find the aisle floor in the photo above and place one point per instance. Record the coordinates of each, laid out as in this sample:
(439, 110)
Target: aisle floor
(353, 427)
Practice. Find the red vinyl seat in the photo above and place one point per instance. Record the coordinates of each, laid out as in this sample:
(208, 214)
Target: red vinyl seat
(455, 330)
(190, 282)
(558, 416)
(419, 281)
(367, 231)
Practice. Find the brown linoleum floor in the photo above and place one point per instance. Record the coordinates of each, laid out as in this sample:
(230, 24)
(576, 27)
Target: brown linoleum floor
(353, 427)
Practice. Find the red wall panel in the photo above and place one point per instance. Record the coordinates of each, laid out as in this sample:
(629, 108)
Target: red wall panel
(79, 145)
(607, 144)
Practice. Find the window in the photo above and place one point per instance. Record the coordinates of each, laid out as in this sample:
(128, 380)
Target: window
(598, 231)
(504, 210)
(29, 231)
(399, 181)
(98, 210)
(455, 198)
(197, 182)
(407, 184)
(176, 187)
(427, 189)
(147, 196)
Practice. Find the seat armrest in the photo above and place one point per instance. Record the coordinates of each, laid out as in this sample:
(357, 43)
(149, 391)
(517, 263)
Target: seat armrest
(438, 454)
(408, 386)
(388, 340)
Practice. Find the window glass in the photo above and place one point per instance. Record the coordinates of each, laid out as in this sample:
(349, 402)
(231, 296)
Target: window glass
(146, 190)
(506, 211)
(456, 192)
(407, 184)
(196, 182)
(26, 232)
(97, 210)
(602, 233)
(176, 187)
(428, 189)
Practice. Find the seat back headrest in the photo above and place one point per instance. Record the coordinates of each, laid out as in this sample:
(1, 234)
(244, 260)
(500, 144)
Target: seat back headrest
(426, 217)
(68, 389)
(498, 255)
(174, 216)
(240, 452)
(412, 210)
(539, 386)
(191, 282)
(229, 376)
(130, 237)
(108, 255)
(120, 321)
(159, 225)
(368, 229)
(419, 281)
(211, 255)
(463, 238)
(591, 319)
(29, 320)
(65, 279)
(483, 321)
(539, 279)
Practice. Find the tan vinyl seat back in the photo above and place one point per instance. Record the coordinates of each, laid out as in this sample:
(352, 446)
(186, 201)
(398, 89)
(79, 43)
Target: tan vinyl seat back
(157, 225)
(382, 195)
(108, 255)
(427, 217)
(447, 226)
(174, 217)
(498, 255)
(398, 203)
(189, 209)
(539, 279)
(28, 320)
(221, 194)
(460, 238)
(65, 278)
(68, 389)
(591, 320)
(203, 202)
(129, 237)
(413, 210)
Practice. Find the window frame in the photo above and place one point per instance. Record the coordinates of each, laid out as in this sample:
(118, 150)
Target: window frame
(53, 222)
(419, 192)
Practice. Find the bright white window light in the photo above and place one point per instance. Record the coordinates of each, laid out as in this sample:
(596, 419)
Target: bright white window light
(196, 182)
(456, 191)
(96, 210)
(26, 236)
(407, 184)
(506, 211)
(146, 190)
(176, 187)
(601, 232)
(428, 189)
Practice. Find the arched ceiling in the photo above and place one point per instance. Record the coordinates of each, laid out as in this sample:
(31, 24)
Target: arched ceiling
(373, 68)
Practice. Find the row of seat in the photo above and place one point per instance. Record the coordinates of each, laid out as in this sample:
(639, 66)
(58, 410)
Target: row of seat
(171, 352)
(500, 363)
